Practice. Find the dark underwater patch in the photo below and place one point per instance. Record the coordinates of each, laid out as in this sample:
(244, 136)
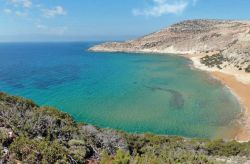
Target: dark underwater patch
(40, 77)
(13, 76)
(176, 101)
(53, 76)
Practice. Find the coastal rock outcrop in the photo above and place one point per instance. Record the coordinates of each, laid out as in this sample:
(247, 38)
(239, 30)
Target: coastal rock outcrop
(228, 38)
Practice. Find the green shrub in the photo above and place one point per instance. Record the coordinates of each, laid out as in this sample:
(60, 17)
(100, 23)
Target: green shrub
(170, 157)
(32, 151)
(147, 159)
(3, 135)
(121, 157)
(106, 158)
(78, 150)
(1, 151)
(56, 114)
(18, 101)
(213, 60)
(77, 143)
(219, 147)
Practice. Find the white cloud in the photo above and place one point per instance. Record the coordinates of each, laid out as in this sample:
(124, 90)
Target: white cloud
(161, 7)
(39, 11)
(23, 3)
(56, 11)
(7, 11)
(58, 30)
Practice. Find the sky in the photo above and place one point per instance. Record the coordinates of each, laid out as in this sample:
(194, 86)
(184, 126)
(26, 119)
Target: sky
(103, 20)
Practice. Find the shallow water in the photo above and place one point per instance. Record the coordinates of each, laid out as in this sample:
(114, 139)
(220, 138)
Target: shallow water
(133, 92)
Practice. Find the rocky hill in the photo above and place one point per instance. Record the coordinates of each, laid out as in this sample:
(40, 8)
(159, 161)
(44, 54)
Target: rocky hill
(33, 134)
(226, 40)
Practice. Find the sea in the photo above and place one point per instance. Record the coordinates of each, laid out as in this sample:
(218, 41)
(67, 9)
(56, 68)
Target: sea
(137, 93)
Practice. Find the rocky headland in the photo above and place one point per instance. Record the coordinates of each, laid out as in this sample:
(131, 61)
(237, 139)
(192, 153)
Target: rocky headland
(230, 39)
(221, 47)
(219, 44)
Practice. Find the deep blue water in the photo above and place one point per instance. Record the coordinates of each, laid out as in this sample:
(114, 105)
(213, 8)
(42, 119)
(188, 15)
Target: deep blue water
(133, 92)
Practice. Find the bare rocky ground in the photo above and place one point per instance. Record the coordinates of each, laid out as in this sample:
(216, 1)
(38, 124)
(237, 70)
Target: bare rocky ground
(228, 38)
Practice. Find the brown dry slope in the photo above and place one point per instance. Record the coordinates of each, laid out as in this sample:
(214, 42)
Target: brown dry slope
(228, 38)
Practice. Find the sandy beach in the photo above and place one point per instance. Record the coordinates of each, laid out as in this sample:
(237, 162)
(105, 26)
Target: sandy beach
(239, 83)
(243, 92)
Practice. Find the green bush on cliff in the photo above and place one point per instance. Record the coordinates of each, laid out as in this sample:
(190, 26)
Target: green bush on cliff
(56, 114)
(121, 157)
(232, 148)
(18, 101)
(150, 148)
(32, 151)
(154, 158)
(78, 150)
(171, 157)
(3, 136)
(106, 158)
(1, 152)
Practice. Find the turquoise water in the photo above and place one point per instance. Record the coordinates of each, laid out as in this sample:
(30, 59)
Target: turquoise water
(132, 92)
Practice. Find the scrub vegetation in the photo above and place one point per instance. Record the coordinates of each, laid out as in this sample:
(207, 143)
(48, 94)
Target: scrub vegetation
(33, 134)
(213, 61)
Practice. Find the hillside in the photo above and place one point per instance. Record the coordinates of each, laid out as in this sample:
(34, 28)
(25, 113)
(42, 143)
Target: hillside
(219, 44)
(33, 134)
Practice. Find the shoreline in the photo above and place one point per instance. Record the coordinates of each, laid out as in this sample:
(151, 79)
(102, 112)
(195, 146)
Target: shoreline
(237, 82)
(242, 92)
(238, 85)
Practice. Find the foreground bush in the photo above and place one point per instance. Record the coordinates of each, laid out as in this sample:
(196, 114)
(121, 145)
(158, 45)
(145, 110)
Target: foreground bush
(33, 134)
(29, 151)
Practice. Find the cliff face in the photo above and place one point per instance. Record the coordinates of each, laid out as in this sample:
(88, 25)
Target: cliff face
(231, 39)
